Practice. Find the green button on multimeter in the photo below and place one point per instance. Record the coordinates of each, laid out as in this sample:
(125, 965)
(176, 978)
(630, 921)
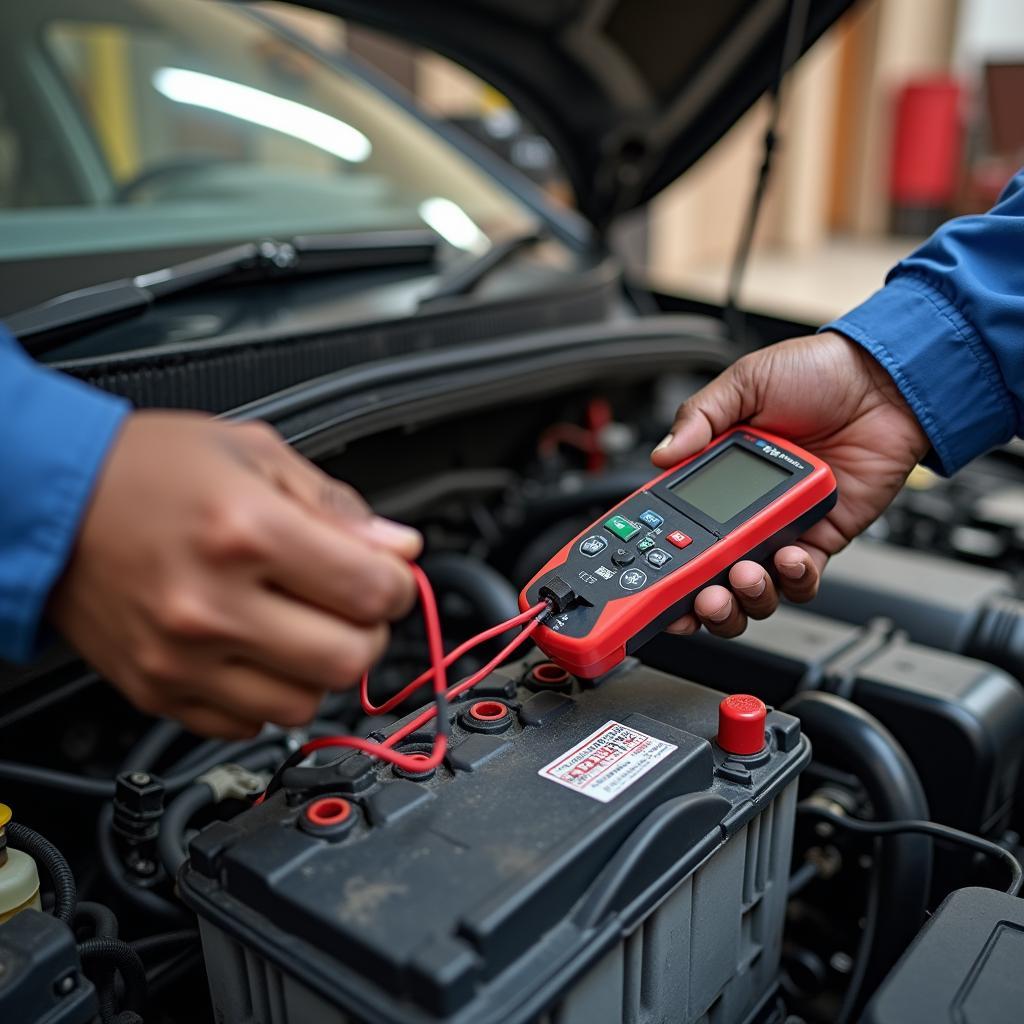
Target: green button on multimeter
(621, 527)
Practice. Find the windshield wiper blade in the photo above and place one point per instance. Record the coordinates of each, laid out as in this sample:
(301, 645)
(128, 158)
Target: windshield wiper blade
(464, 277)
(65, 317)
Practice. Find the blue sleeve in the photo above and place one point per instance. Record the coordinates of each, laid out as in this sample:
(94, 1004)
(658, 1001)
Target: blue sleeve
(949, 327)
(54, 435)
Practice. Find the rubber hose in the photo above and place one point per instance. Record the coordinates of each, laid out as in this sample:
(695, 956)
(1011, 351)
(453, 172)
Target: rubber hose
(201, 753)
(104, 920)
(119, 956)
(179, 812)
(260, 755)
(146, 900)
(146, 754)
(603, 489)
(172, 971)
(171, 840)
(33, 775)
(847, 737)
(157, 943)
(535, 553)
(213, 752)
(103, 789)
(493, 598)
(174, 782)
(998, 636)
(42, 851)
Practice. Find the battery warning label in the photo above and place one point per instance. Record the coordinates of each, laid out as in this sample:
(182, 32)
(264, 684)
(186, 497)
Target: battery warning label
(607, 761)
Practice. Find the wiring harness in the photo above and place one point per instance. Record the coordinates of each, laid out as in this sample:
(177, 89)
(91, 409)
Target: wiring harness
(385, 750)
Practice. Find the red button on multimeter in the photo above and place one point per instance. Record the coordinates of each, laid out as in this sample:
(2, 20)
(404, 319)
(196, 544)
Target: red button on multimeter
(745, 496)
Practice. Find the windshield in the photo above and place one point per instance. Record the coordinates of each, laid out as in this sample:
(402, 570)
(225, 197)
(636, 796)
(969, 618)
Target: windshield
(145, 124)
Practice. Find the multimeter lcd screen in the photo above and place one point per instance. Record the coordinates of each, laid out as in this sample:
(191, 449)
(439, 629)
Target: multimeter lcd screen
(725, 486)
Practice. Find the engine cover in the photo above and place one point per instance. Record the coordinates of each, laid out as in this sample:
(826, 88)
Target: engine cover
(588, 853)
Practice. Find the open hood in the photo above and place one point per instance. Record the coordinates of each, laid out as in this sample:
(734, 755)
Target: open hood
(629, 92)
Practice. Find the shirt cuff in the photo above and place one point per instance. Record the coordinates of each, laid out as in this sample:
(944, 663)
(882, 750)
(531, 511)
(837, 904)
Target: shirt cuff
(57, 432)
(940, 365)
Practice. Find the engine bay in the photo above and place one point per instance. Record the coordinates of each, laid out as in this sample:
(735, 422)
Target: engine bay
(712, 887)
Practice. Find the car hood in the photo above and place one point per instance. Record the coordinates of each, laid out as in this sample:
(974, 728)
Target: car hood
(629, 92)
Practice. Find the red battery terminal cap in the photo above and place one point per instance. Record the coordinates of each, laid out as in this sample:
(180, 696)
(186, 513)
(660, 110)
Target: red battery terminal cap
(741, 719)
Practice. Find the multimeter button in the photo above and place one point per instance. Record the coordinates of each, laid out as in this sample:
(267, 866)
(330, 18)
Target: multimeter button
(621, 527)
(651, 519)
(679, 539)
(593, 545)
(645, 545)
(632, 579)
(658, 558)
(623, 557)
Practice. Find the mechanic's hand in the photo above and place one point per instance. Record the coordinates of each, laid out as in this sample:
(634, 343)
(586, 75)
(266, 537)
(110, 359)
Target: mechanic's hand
(828, 395)
(221, 579)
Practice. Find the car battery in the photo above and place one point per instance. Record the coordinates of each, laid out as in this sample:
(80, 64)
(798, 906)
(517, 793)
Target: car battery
(593, 852)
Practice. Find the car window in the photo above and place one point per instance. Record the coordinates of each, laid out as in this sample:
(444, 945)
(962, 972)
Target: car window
(142, 124)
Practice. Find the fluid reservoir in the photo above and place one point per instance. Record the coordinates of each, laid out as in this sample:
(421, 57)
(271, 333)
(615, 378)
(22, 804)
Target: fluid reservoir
(19, 877)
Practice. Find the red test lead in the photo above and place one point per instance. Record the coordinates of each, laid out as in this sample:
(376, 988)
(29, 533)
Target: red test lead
(415, 763)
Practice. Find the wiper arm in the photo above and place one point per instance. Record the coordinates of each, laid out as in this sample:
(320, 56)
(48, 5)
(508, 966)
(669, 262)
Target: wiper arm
(63, 318)
(463, 278)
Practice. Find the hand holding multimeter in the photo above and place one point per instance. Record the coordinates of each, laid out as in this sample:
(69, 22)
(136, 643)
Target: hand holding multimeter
(637, 569)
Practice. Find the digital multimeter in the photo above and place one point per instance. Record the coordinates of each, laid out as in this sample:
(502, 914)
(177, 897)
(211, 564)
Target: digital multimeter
(638, 568)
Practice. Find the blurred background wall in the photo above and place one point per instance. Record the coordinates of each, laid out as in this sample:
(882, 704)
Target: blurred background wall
(905, 113)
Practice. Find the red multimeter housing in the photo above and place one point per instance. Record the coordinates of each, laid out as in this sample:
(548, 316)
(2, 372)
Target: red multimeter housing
(637, 569)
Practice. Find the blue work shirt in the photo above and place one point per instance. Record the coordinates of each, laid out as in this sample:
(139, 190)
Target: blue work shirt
(54, 436)
(949, 328)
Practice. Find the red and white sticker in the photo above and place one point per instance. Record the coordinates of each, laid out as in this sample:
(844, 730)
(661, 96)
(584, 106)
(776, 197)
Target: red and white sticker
(607, 762)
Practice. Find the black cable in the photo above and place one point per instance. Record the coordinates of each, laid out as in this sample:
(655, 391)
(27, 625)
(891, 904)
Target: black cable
(202, 752)
(847, 737)
(796, 29)
(103, 919)
(46, 700)
(802, 877)
(257, 755)
(172, 970)
(927, 828)
(103, 789)
(294, 758)
(100, 957)
(158, 943)
(493, 598)
(185, 953)
(157, 740)
(42, 851)
(171, 840)
(146, 900)
(33, 775)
